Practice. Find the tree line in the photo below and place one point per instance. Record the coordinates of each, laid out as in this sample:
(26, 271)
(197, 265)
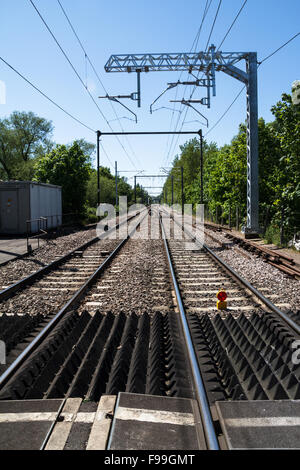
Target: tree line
(28, 153)
(225, 170)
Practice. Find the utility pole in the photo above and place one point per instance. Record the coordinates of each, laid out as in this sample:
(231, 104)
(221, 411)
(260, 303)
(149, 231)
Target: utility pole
(209, 62)
(98, 168)
(182, 192)
(172, 182)
(135, 189)
(201, 167)
(116, 174)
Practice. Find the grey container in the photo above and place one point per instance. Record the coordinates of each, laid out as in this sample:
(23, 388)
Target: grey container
(26, 200)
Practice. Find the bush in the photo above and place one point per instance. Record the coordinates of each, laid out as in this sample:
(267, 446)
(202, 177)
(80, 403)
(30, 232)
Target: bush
(272, 235)
(90, 216)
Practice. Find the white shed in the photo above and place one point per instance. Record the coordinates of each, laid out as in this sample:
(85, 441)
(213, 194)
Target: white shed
(21, 201)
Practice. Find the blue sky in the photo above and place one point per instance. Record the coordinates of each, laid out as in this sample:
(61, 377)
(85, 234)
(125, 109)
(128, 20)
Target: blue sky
(134, 26)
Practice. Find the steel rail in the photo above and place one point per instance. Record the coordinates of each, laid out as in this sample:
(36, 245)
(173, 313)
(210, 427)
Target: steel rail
(207, 420)
(295, 327)
(258, 294)
(6, 376)
(6, 293)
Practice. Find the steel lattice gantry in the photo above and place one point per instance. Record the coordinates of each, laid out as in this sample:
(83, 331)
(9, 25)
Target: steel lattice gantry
(209, 62)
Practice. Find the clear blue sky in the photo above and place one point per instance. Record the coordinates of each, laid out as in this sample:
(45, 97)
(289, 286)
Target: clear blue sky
(133, 26)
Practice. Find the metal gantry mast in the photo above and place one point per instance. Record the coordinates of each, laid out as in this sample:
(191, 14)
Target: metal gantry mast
(209, 62)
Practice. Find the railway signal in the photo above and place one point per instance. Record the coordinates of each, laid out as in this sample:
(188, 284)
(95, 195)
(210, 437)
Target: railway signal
(221, 302)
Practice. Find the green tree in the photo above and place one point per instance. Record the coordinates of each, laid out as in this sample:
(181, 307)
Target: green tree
(107, 188)
(286, 129)
(22, 137)
(69, 167)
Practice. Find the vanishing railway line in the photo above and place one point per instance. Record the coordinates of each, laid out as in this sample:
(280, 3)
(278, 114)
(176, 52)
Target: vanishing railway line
(149, 326)
(281, 261)
(32, 304)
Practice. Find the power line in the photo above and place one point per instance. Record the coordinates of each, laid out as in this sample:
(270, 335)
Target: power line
(196, 40)
(94, 69)
(237, 96)
(193, 91)
(45, 96)
(279, 48)
(67, 58)
(101, 145)
(79, 77)
(213, 25)
(232, 24)
(226, 111)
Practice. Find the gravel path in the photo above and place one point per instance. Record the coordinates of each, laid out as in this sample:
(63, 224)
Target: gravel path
(19, 268)
(136, 282)
(48, 294)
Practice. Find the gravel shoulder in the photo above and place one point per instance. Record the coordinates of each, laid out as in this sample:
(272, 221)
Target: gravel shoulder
(259, 273)
(52, 249)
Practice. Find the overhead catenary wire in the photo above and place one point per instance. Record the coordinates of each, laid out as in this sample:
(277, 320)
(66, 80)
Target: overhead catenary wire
(194, 46)
(213, 25)
(226, 111)
(87, 59)
(79, 77)
(279, 48)
(46, 96)
(232, 24)
(193, 91)
(54, 103)
(239, 93)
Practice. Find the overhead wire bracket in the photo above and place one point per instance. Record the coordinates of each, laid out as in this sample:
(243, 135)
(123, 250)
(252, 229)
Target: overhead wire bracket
(188, 103)
(116, 99)
(166, 107)
(170, 85)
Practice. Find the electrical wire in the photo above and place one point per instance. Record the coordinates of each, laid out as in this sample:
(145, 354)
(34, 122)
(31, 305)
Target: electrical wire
(95, 72)
(237, 96)
(45, 96)
(104, 151)
(279, 48)
(195, 42)
(79, 77)
(193, 91)
(232, 24)
(226, 111)
(213, 25)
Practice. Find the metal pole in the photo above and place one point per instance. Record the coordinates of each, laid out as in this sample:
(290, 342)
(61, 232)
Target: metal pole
(98, 168)
(172, 181)
(139, 87)
(201, 167)
(252, 144)
(281, 225)
(209, 429)
(182, 193)
(135, 189)
(116, 173)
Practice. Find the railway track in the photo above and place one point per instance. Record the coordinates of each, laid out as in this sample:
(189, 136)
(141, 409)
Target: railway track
(31, 304)
(284, 263)
(186, 350)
